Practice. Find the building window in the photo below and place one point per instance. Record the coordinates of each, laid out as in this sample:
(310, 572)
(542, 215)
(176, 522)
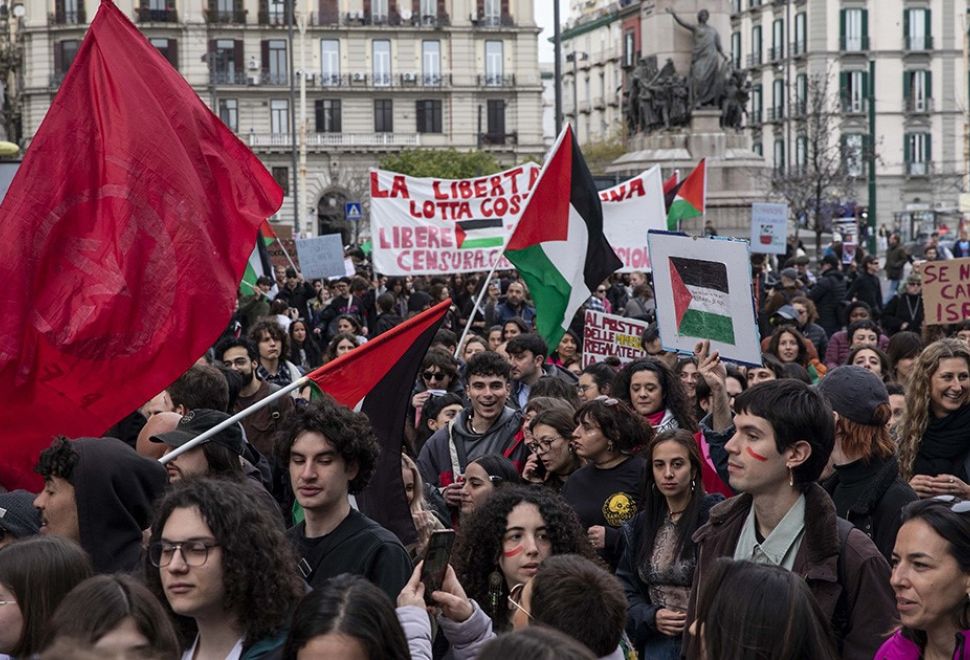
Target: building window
(801, 153)
(918, 154)
(327, 113)
(282, 176)
(917, 90)
(778, 98)
(757, 104)
(330, 62)
(852, 146)
(383, 116)
(735, 6)
(168, 48)
(276, 14)
(801, 94)
(801, 34)
(381, 52)
(916, 27)
(855, 30)
(378, 11)
(276, 62)
(495, 120)
(429, 10)
(428, 115)
(431, 62)
(279, 116)
(756, 45)
(736, 50)
(629, 49)
(758, 148)
(493, 12)
(777, 39)
(65, 52)
(855, 90)
(229, 113)
(779, 156)
(494, 61)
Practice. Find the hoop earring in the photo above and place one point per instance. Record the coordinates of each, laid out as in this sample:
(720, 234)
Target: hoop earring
(791, 477)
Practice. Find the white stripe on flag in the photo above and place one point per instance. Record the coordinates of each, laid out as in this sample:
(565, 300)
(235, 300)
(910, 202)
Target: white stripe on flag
(571, 253)
(709, 300)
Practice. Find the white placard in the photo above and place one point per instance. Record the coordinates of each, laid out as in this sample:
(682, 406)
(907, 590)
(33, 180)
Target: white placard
(769, 228)
(321, 256)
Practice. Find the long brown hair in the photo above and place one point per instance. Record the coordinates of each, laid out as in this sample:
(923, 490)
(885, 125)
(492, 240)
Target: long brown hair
(917, 415)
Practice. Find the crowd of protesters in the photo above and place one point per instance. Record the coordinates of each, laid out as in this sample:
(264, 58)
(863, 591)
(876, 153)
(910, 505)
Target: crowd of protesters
(813, 506)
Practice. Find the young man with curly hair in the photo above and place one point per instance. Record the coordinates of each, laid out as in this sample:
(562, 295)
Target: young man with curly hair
(330, 452)
(218, 560)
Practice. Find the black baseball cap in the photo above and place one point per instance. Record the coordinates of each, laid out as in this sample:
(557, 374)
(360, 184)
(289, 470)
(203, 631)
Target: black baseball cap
(196, 422)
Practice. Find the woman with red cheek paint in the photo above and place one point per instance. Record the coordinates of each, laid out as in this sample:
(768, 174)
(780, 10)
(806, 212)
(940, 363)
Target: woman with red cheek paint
(658, 560)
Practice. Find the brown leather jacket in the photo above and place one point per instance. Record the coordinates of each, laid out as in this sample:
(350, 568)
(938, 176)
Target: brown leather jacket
(869, 603)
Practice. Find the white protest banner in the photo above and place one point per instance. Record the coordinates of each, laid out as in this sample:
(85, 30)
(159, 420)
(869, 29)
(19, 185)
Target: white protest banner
(607, 334)
(321, 257)
(630, 209)
(703, 291)
(769, 228)
(424, 226)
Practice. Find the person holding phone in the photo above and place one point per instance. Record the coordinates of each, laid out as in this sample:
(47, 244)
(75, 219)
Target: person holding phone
(553, 458)
(658, 560)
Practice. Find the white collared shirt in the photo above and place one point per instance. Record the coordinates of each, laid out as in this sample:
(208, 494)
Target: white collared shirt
(781, 545)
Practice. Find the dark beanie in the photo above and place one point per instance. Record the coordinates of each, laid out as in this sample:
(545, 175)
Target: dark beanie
(854, 393)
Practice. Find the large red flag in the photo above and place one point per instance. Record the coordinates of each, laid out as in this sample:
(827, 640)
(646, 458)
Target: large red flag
(122, 240)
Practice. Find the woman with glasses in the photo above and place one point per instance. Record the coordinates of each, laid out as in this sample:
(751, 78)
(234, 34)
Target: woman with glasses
(552, 457)
(503, 542)
(482, 477)
(934, 455)
(438, 376)
(220, 563)
(35, 575)
(659, 557)
(931, 578)
(905, 310)
(605, 492)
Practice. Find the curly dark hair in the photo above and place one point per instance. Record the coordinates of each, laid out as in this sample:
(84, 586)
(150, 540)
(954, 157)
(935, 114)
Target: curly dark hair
(349, 432)
(802, 357)
(619, 423)
(674, 397)
(479, 543)
(273, 329)
(58, 460)
(331, 352)
(261, 584)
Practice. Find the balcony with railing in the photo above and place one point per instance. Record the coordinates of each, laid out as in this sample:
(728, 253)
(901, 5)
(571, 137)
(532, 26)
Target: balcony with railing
(918, 43)
(493, 21)
(70, 17)
(431, 20)
(148, 15)
(776, 53)
(496, 80)
(799, 109)
(754, 59)
(278, 18)
(230, 78)
(272, 78)
(918, 105)
(798, 48)
(499, 139)
(327, 18)
(755, 118)
(225, 16)
(314, 140)
(853, 44)
(920, 168)
(776, 113)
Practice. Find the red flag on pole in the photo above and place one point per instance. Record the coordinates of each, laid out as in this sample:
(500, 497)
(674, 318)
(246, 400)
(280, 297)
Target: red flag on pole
(122, 240)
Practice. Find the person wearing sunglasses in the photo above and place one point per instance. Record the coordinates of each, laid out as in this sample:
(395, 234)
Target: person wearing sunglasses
(553, 458)
(438, 375)
(931, 579)
(220, 564)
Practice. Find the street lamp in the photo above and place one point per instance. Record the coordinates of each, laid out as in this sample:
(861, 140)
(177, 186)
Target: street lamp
(574, 57)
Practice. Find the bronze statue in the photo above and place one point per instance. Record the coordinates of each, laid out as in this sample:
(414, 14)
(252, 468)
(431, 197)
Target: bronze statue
(706, 77)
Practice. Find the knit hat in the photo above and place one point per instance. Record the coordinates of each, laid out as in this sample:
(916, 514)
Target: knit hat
(854, 393)
(789, 273)
(18, 515)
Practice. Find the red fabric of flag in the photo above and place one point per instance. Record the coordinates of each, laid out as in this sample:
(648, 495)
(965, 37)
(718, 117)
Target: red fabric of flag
(122, 240)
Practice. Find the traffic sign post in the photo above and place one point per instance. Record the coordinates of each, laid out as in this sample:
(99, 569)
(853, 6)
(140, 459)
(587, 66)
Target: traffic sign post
(353, 211)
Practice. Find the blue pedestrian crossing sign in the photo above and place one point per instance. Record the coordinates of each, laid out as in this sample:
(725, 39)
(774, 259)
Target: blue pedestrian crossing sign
(352, 211)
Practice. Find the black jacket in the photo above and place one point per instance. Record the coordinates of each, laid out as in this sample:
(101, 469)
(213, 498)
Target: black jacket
(868, 289)
(871, 497)
(828, 294)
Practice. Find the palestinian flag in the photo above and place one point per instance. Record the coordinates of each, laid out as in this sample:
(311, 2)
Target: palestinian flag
(558, 245)
(484, 233)
(702, 299)
(690, 198)
(258, 265)
(377, 378)
(267, 233)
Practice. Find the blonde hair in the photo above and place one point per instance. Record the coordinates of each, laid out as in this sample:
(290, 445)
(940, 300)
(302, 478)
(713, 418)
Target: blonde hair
(917, 415)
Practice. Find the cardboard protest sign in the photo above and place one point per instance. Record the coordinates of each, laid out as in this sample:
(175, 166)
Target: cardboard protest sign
(946, 291)
(630, 209)
(425, 226)
(769, 228)
(703, 291)
(607, 334)
(321, 257)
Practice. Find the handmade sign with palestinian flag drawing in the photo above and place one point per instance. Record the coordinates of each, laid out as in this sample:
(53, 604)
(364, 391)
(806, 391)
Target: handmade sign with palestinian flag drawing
(690, 198)
(703, 291)
(559, 247)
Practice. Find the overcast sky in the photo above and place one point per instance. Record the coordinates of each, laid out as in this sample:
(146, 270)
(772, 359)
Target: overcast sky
(544, 11)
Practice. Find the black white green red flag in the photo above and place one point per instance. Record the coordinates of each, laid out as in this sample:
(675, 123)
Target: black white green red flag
(690, 198)
(377, 378)
(558, 245)
(702, 299)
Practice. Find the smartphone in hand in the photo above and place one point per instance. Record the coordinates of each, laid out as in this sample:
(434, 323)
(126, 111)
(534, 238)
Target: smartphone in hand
(436, 558)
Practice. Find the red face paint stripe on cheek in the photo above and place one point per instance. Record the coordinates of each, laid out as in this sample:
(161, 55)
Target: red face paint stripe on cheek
(517, 550)
(755, 455)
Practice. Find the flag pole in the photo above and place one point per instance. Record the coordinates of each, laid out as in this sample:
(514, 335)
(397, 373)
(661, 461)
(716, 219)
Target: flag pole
(255, 289)
(478, 301)
(199, 439)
